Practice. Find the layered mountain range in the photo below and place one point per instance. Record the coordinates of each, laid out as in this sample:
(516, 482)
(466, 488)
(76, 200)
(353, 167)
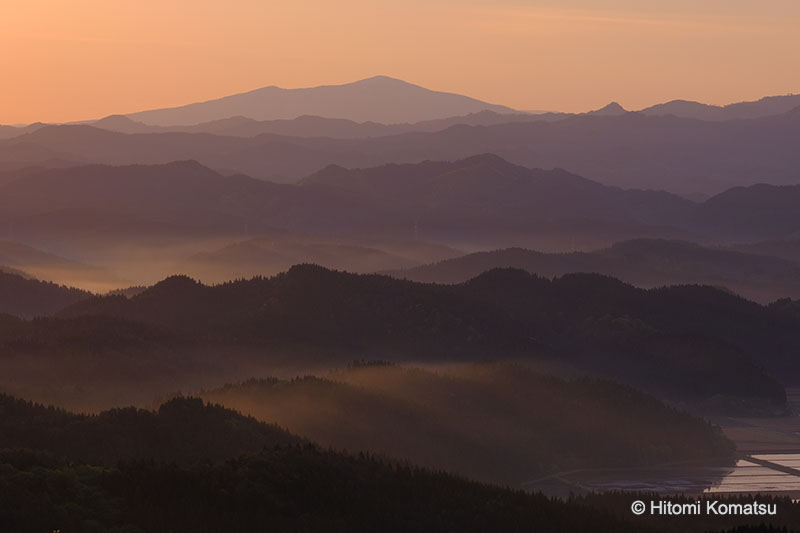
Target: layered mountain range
(480, 195)
(284, 135)
(690, 344)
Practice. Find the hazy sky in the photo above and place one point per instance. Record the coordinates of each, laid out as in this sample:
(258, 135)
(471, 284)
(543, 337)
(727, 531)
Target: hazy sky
(80, 59)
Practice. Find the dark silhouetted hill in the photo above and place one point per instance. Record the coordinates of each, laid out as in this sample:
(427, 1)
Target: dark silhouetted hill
(25, 297)
(289, 488)
(182, 430)
(644, 263)
(275, 252)
(496, 423)
(692, 343)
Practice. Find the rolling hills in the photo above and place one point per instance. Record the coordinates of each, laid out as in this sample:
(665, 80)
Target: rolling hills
(429, 201)
(633, 150)
(141, 223)
(644, 263)
(767, 106)
(690, 343)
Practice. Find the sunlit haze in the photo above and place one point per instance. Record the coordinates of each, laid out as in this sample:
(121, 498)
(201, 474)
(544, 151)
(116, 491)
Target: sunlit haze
(85, 59)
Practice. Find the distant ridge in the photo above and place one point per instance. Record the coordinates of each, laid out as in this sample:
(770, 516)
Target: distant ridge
(767, 106)
(315, 126)
(642, 262)
(24, 297)
(378, 99)
(612, 109)
(631, 150)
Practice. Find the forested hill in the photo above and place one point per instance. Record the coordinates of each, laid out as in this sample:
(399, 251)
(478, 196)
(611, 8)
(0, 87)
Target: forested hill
(491, 422)
(282, 489)
(313, 306)
(684, 341)
(232, 474)
(753, 274)
(182, 430)
(26, 297)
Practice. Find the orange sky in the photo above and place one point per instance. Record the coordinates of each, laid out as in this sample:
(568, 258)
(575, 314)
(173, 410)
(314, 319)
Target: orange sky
(86, 59)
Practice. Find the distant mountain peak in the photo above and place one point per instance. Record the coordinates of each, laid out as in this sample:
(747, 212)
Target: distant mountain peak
(121, 123)
(383, 79)
(176, 284)
(483, 159)
(611, 109)
(115, 118)
(380, 99)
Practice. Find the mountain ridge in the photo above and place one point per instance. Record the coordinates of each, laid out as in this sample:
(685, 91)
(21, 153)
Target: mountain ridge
(375, 99)
(645, 263)
(632, 150)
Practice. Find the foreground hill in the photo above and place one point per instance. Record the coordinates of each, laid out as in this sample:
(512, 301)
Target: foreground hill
(644, 263)
(495, 423)
(285, 485)
(378, 99)
(182, 430)
(690, 343)
(297, 485)
(25, 297)
(283, 489)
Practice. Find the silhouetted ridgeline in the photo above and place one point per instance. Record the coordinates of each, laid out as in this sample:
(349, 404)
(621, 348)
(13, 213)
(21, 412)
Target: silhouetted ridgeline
(767, 106)
(306, 489)
(495, 423)
(182, 430)
(286, 484)
(688, 342)
(644, 263)
(273, 252)
(27, 298)
(283, 489)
